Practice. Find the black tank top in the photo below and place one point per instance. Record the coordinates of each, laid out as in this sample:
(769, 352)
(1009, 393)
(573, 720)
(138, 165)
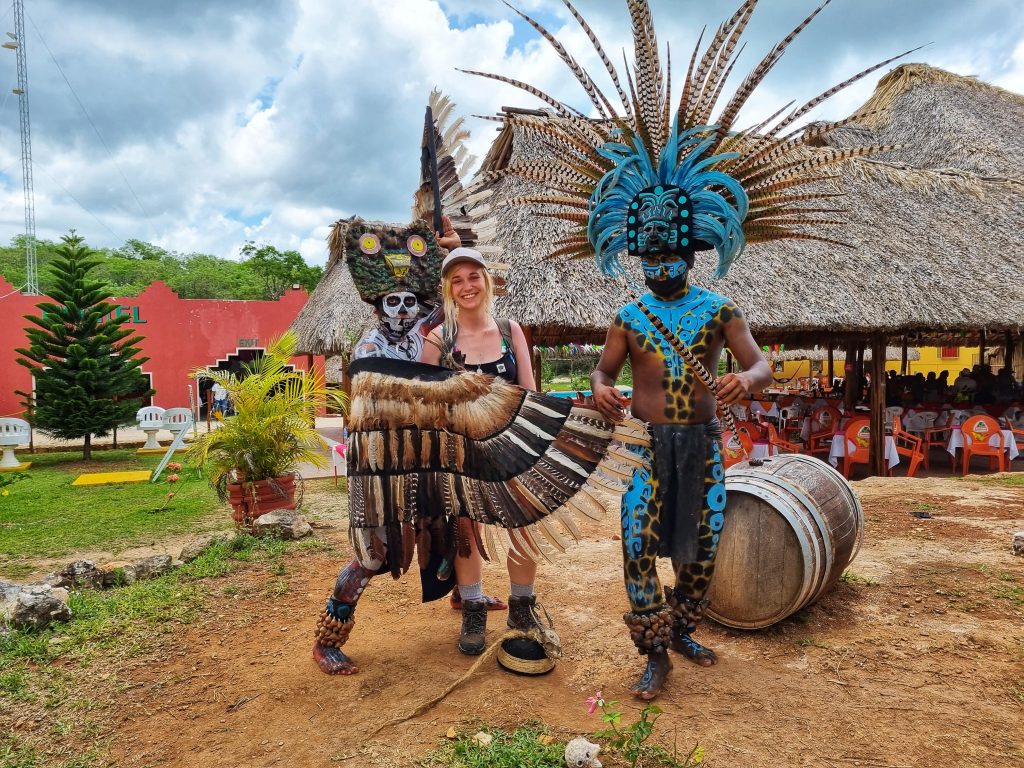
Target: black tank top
(504, 367)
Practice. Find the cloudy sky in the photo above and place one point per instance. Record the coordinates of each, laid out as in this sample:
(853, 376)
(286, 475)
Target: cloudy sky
(200, 124)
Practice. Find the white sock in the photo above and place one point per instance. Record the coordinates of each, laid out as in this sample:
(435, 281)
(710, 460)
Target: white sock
(522, 590)
(472, 591)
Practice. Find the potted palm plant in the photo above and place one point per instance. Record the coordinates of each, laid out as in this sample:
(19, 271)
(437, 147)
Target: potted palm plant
(251, 458)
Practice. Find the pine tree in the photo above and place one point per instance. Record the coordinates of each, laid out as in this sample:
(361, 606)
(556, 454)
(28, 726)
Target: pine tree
(85, 363)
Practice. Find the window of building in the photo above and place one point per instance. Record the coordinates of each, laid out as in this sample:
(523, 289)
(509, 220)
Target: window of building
(947, 352)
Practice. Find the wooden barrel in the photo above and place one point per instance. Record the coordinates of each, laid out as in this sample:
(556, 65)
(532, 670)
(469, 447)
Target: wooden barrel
(792, 525)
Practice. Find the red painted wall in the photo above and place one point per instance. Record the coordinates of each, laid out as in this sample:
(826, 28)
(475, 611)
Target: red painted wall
(180, 335)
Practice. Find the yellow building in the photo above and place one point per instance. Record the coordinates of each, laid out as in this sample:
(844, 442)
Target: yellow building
(939, 359)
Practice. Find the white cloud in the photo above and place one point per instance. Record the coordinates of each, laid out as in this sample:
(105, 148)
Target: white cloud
(269, 119)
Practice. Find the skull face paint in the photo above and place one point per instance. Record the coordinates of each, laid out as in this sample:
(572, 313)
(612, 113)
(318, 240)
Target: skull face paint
(399, 313)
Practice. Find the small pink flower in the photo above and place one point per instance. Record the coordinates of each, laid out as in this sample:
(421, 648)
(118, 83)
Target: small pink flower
(174, 466)
(594, 702)
(170, 495)
(173, 478)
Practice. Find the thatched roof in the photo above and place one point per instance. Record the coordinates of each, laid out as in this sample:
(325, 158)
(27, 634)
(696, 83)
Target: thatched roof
(936, 225)
(334, 317)
(944, 121)
(936, 256)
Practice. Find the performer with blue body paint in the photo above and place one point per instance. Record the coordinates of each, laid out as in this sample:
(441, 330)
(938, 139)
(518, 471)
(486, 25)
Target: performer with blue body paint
(677, 510)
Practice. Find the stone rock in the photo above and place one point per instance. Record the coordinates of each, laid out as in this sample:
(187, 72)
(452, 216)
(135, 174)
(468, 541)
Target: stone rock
(196, 547)
(151, 567)
(1018, 543)
(284, 524)
(81, 574)
(33, 606)
(118, 574)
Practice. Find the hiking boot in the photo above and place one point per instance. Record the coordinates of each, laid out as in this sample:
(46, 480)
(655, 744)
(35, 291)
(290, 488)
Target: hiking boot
(474, 627)
(522, 613)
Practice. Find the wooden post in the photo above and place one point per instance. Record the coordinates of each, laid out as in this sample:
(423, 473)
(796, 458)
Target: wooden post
(850, 376)
(1008, 354)
(831, 365)
(878, 466)
(903, 359)
(535, 366)
(981, 349)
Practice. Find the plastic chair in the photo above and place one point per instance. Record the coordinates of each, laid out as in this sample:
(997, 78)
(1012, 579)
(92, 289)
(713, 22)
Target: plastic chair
(891, 413)
(978, 431)
(858, 435)
(824, 421)
(790, 417)
(779, 444)
(151, 421)
(739, 412)
(937, 435)
(13, 432)
(907, 445)
(736, 447)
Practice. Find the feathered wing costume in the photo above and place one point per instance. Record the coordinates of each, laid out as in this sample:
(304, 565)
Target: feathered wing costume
(427, 444)
(659, 180)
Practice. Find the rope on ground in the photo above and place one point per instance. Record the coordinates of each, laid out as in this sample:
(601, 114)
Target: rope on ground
(431, 703)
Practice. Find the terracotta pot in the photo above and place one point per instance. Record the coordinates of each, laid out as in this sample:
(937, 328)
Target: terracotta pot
(250, 500)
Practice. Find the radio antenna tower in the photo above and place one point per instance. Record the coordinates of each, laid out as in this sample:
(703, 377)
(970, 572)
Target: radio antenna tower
(18, 44)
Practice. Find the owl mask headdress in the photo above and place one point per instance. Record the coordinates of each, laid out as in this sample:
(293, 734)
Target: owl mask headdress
(397, 268)
(654, 177)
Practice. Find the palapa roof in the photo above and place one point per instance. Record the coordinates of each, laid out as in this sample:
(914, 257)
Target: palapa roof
(937, 248)
(334, 317)
(936, 227)
(943, 121)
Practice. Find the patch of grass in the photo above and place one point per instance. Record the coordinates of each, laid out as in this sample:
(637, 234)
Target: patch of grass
(67, 699)
(849, 577)
(1014, 593)
(15, 753)
(44, 516)
(522, 748)
(810, 642)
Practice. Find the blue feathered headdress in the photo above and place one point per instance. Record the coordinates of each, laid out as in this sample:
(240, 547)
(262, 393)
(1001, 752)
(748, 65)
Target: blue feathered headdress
(710, 205)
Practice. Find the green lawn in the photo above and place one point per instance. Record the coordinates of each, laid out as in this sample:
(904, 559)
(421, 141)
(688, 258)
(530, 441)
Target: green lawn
(44, 516)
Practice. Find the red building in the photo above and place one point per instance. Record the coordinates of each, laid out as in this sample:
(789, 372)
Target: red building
(179, 336)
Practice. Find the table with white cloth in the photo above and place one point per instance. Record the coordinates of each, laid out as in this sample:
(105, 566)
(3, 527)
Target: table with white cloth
(761, 451)
(839, 448)
(956, 440)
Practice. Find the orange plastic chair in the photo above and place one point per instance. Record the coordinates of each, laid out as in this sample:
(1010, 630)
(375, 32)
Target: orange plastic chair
(857, 434)
(779, 444)
(977, 431)
(824, 421)
(907, 445)
(750, 429)
(736, 447)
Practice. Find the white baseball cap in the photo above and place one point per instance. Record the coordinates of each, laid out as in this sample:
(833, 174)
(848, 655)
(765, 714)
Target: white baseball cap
(460, 255)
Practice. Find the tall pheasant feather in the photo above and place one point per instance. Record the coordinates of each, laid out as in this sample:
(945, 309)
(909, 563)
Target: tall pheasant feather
(643, 134)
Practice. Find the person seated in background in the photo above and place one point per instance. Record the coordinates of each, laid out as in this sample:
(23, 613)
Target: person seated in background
(964, 387)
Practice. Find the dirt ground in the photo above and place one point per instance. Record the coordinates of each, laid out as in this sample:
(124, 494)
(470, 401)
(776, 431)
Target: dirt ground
(915, 659)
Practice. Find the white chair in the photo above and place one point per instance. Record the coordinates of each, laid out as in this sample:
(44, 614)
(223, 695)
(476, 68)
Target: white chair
(891, 413)
(151, 421)
(177, 420)
(739, 412)
(13, 432)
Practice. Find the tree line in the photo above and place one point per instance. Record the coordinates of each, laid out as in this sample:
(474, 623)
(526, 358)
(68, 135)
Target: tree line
(264, 272)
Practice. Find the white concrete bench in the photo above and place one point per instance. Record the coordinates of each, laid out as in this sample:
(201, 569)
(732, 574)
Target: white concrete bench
(151, 421)
(13, 432)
